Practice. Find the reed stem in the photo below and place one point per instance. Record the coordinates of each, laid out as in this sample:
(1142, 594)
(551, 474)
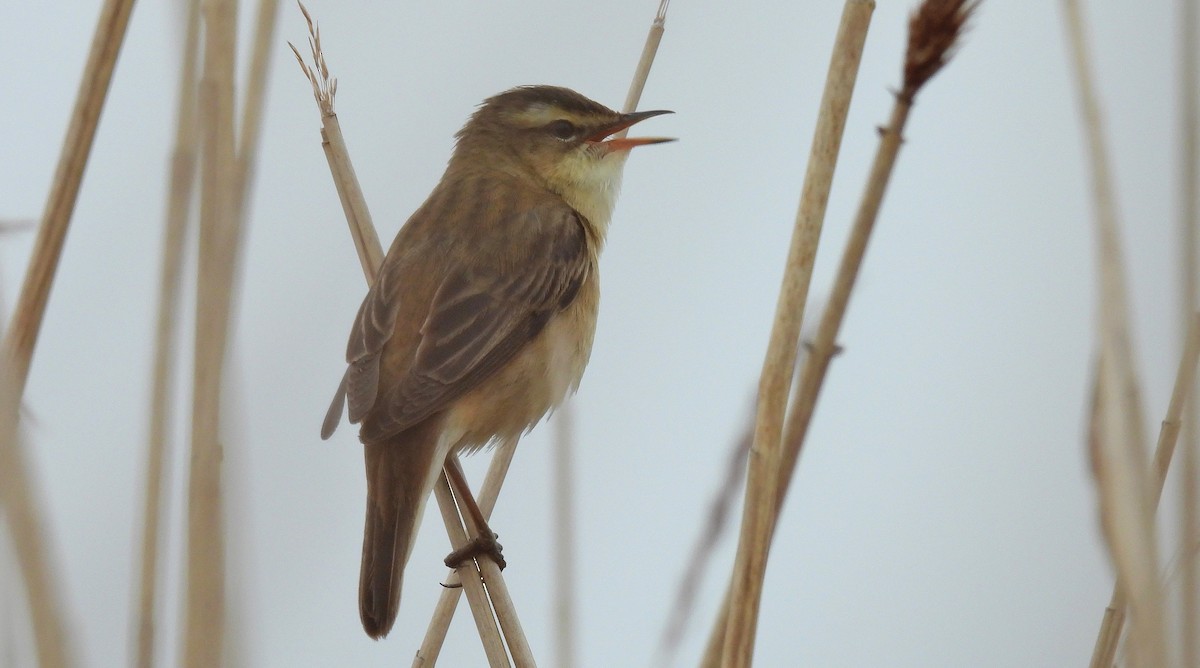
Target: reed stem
(182, 183)
(204, 626)
(1189, 225)
(439, 623)
(1181, 396)
(775, 383)
(18, 493)
(1117, 443)
(477, 596)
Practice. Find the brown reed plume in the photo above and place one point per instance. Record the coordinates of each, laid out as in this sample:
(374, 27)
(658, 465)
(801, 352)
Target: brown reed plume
(935, 32)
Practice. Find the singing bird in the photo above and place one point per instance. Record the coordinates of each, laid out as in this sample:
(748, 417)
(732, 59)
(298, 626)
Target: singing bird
(482, 316)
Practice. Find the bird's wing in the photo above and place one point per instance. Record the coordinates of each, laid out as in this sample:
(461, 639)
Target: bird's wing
(373, 327)
(480, 316)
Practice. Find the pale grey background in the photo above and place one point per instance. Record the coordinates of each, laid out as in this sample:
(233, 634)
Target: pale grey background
(943, 514)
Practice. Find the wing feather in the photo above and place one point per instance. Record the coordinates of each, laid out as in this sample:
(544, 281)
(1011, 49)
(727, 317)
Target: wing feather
(483, 312)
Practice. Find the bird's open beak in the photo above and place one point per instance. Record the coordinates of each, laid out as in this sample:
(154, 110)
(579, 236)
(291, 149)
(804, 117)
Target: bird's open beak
(625, 121)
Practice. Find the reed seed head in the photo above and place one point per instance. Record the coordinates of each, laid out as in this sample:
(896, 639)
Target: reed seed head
(933, 33)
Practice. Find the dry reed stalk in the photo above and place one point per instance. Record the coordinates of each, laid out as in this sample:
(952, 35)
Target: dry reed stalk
(370, 253)
(564, 543)
(646, 61)
(934, 30)
(246, 160)
(1123, 488)
(252, 104)
(354, 204)
(775, 383)
(721, 506)
(47, 248)
(182, 181)
(33, 556)
(564, 502)
(934, 33)
(439, 624)
(489, 572)
(1119, 453)
(477, 596)
(506, 613)
(205, 575)
(1189, 220)
(1182, 395)
(244, 165)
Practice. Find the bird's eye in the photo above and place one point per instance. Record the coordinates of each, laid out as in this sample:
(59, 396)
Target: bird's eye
(562, 129)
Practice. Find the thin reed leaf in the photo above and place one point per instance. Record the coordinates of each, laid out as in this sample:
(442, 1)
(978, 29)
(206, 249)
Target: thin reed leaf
(715, 526)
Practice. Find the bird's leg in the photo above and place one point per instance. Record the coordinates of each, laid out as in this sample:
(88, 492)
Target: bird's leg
(483, 541)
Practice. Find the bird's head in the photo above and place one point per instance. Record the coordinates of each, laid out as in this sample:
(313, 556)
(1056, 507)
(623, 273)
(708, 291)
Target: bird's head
(557, 136)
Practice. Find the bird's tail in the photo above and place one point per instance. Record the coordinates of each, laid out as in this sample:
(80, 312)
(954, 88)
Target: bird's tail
(401, 472)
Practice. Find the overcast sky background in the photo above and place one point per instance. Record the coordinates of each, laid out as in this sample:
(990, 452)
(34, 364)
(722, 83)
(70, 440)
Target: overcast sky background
(943, 513)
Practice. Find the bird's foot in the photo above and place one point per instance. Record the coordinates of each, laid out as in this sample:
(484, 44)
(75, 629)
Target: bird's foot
(483, 544)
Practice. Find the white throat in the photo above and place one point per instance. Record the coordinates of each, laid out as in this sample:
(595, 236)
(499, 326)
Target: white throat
(592, 190)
